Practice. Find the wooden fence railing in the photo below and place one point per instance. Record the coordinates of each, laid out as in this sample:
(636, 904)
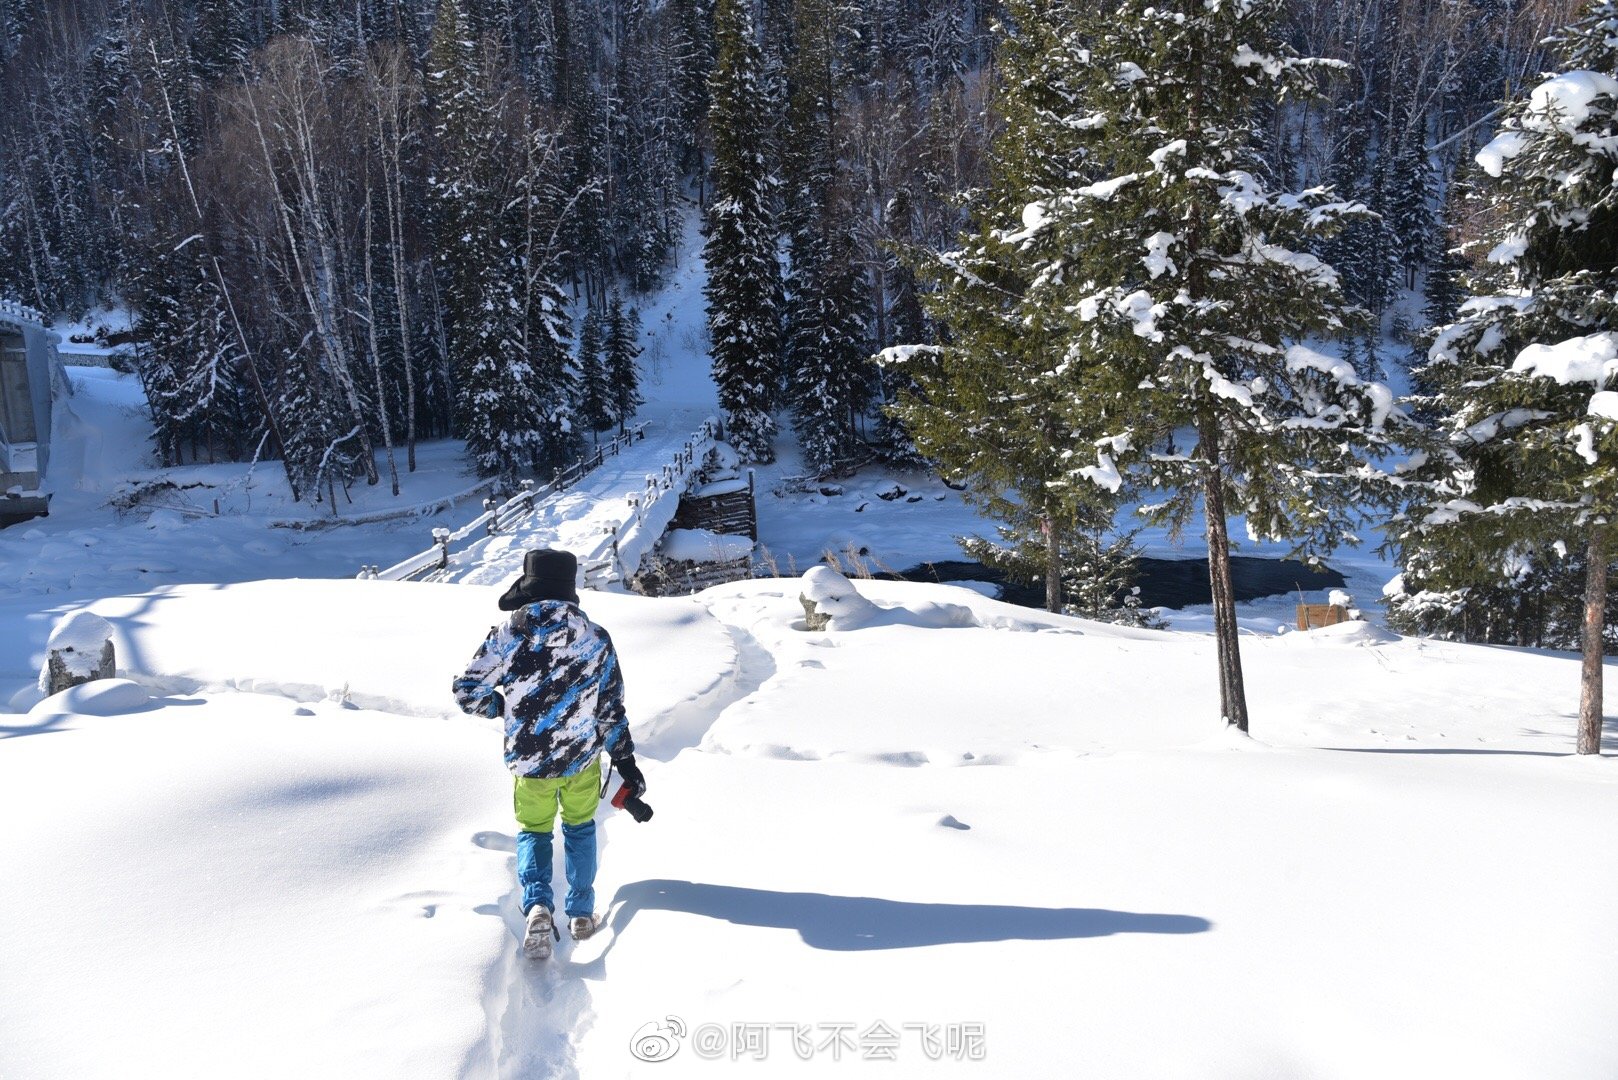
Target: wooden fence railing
(498, 518)
(636, 533)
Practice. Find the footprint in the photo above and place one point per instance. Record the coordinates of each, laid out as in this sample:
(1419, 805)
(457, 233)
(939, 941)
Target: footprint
(413, 900)
(490, 840)
(949, 821)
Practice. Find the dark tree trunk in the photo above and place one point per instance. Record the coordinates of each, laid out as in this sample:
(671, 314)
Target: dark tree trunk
(1232, 694)
(1595, 624)
(1053, 566)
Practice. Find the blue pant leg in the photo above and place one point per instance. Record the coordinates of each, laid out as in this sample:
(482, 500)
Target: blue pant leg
(579, 841)
(534, 869)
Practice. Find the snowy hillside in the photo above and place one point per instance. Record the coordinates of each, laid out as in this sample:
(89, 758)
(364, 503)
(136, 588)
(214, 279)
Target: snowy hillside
(975, 827)
(970, 837)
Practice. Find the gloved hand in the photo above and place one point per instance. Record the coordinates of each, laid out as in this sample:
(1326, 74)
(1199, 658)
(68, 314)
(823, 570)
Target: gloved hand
(494, 706)
(631, 773)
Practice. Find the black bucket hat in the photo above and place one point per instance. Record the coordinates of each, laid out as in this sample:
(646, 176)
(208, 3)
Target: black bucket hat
(547, 574)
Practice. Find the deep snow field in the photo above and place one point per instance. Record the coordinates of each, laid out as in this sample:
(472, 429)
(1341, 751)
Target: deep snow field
(954, 838)
(296, 859)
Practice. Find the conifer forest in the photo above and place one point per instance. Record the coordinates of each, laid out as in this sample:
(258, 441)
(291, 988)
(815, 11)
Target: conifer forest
(1076, 255)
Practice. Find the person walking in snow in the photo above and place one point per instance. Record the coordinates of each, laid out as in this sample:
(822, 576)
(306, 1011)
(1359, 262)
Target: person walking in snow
(553, 676)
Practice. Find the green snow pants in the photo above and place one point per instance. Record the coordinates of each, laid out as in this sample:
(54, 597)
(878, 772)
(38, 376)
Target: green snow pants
(535, 801)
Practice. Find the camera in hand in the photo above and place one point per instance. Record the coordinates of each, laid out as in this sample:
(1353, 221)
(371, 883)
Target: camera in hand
(626, 798)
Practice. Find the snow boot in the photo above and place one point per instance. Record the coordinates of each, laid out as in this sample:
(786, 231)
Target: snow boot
(536, 942)
(584, 926)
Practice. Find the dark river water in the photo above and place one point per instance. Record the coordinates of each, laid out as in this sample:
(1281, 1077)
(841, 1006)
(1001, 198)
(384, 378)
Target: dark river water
(1167, 583)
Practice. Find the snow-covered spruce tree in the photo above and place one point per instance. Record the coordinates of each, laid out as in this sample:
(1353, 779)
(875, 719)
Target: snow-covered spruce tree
(546, 343)
(1442, 288)
(187, 361)
(496, 406)
(993, 406)
(744, 276)
(1410, 200)
(1193, 301)
(1524, 596)
(1527, 379)
(623, 377)
(219, 43)
(829, 372)
(692, 50)
(645, 142)
(595, 405)
(160, 293)
(827, 306)
(1365, 250)
(538, 211)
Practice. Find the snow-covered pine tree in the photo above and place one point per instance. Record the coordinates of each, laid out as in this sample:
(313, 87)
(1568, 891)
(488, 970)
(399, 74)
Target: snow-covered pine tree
(829, 374)
(537, 211)
(593, 239)
(546, 344)
(906, 321)
(644, 128)
(219, 39)
(828, 306)
(319, 452)
(1443, 289)
(992, 407)
(1364, 251)
(1194, 301)
(497, 407)
(187, 362)
(595, 404)
(744, 276)
(1410, 203)
(1527, 379)
(161, 292)
(692, 56)
(621, 349)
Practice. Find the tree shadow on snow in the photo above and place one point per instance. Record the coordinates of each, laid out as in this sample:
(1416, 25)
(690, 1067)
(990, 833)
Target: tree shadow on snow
(857, 923)
(1460, 751)
(47, 725)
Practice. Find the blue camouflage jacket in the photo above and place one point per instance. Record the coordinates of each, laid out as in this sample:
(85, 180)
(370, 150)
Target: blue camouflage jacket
(552, 674)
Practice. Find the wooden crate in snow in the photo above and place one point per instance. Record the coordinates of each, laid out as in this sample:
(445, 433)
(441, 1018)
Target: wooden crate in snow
(1314, 616)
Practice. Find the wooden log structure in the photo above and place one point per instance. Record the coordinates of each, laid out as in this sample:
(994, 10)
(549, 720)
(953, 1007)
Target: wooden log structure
(732, 512)
(1314, 616)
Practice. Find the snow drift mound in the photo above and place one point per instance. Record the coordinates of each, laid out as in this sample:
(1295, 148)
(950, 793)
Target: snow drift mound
(844, 607)
(103, 697)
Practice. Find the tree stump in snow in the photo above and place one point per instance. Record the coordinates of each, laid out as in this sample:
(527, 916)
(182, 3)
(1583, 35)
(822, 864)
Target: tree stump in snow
(79, 651)
(827, 596)
(813, 617)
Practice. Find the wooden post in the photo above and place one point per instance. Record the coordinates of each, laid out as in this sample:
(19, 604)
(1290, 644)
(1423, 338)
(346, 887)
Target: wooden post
(752, 509)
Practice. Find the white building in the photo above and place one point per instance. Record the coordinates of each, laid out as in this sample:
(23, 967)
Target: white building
(30, 377)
